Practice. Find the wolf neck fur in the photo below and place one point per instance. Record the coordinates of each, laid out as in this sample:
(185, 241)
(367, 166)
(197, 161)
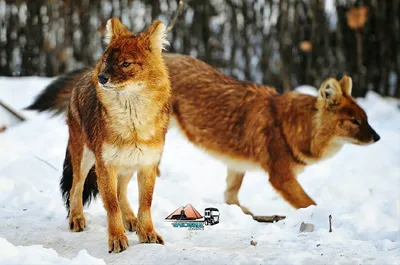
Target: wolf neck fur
(304, 126)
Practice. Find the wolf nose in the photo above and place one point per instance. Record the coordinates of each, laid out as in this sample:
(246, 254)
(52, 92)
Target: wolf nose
(376, 137)
(103, 79)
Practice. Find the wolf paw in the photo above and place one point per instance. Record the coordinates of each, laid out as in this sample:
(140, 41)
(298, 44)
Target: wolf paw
(150, 237)
(77, 224)
(117, 243)
(130, 223)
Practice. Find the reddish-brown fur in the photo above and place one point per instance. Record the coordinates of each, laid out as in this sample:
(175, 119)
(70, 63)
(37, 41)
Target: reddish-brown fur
(118, 116)
(250, 126)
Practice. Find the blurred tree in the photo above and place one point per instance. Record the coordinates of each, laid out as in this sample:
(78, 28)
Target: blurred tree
(282, 43)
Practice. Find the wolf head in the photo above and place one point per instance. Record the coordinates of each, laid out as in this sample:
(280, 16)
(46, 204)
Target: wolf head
(130, 60)
(338, 110)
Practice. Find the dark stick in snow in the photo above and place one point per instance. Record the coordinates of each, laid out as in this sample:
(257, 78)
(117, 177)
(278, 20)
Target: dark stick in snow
(330, 223)
(268, 219)
(44, 161)
(13, 112)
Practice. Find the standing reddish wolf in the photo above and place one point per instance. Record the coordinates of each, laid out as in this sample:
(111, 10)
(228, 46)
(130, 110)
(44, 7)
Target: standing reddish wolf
(249, 126)
(117, 117)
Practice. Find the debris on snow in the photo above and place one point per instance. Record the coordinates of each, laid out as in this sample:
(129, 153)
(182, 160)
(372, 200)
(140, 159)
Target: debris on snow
(306, 227)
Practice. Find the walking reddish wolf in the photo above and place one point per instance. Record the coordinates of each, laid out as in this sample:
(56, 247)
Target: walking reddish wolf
(117, 117)
(250, 126)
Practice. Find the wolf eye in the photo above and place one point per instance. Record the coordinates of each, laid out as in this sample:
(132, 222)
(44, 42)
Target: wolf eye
(354, 121)
(125, 64)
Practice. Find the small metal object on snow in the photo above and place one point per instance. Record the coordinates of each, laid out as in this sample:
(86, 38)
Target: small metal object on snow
(305, 227)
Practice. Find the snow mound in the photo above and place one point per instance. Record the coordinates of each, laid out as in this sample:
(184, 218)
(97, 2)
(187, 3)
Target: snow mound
(10, 254)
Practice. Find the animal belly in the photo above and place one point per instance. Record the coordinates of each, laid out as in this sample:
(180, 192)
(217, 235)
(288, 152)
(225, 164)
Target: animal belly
(239, 165)
(130, 157)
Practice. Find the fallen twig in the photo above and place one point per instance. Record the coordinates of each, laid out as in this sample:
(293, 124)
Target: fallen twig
(268, 219)
(9, 109)
(44, 161)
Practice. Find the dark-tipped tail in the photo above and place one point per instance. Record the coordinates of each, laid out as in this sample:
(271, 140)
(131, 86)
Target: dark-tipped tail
(56, 96)
(90, 189)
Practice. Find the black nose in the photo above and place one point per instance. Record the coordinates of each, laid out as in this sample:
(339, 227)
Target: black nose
(376, 137)
(103, 79)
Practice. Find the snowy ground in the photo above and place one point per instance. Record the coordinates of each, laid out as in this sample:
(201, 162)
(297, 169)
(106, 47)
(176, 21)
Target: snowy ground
(359, 187)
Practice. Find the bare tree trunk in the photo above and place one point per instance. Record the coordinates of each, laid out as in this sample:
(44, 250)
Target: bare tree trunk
(283, 41)
(396, 43)
(246, 44)
(206, 30)
(10, 42)
(31, 60)
(155, 9)
(234, 30)
(266, 46)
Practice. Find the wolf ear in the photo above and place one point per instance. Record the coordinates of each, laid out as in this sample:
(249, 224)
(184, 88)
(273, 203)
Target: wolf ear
(346, 84)
(115, 29)
(330, 91)
(157, 36)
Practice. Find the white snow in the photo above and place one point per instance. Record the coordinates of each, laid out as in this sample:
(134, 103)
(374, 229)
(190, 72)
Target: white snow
(359, 187)
(306, 89)
(36, 254)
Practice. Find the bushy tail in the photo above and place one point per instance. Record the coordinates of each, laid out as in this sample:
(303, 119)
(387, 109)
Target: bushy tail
(90, 189)
(56, 96)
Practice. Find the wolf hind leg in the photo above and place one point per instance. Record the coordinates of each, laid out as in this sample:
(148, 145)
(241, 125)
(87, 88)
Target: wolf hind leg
(82, 161)
(233, 183)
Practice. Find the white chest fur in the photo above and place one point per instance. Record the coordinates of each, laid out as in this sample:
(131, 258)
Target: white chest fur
(330, 150)
(333, 147)
(131, 114)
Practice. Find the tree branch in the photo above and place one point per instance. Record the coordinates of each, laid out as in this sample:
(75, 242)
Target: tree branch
(175, 18)
(9, 109)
